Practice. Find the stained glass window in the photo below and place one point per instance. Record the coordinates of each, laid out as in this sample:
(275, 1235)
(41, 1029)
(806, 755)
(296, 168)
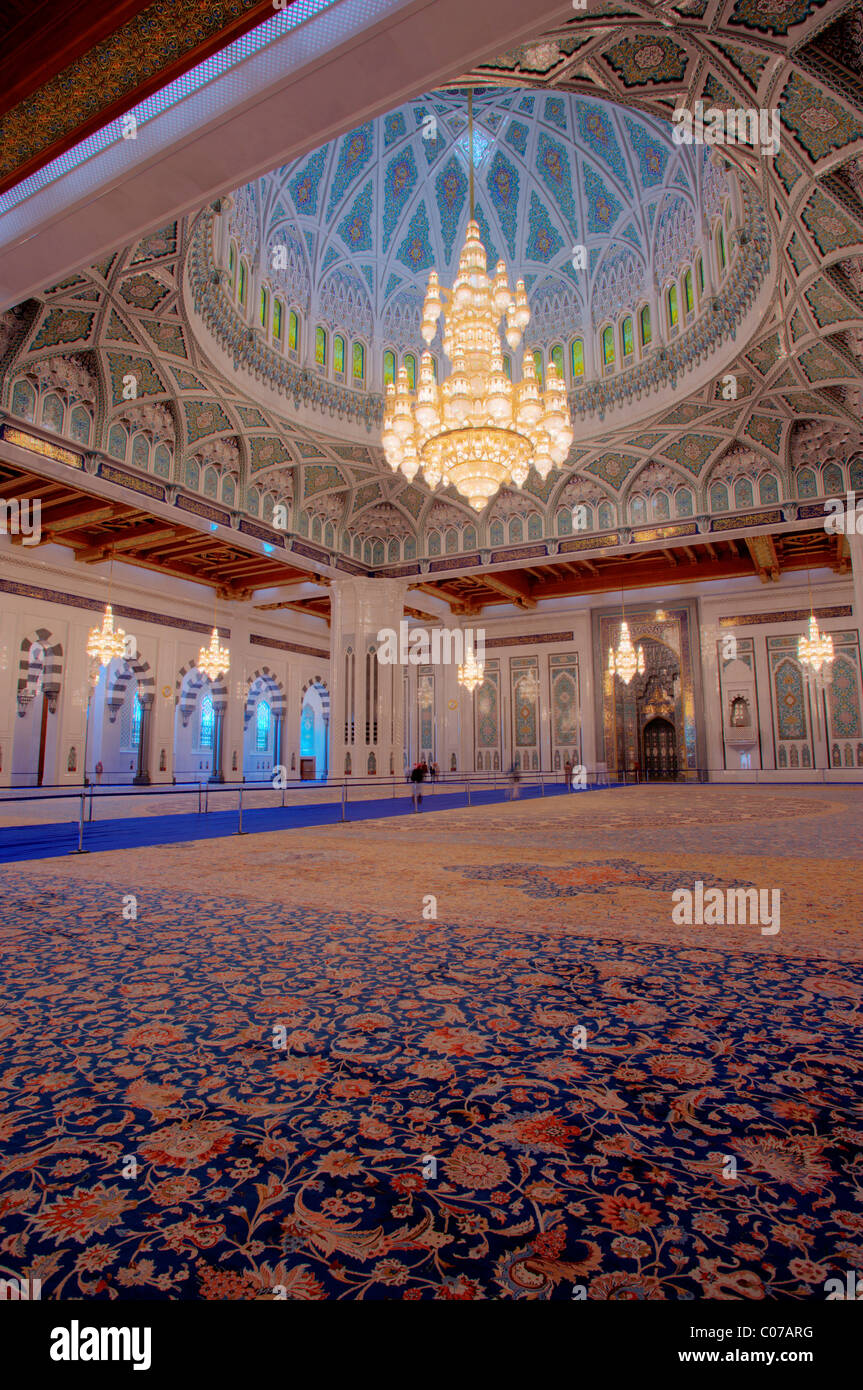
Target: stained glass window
(208, 723)
(321, 347)
(699, 271)
(262, 727)
(557, 359)
(294, 331)
(277, 320)
(688, 292)
(136, 722)
(232, 266)
(359, 362)
(644, 326)
(671, 300)
(389, 368)
(627, 337)
(608, 347)
(411, 367)
(339, 354)
(264, 308)
(576, 358)
(720, 249)
(539, 368)
(242, 292)
(507, 366)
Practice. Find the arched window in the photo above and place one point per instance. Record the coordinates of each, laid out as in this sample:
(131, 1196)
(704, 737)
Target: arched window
(79, 425)
(389, 368)
(117, 442)
(358, 364)
(688, 291)
(52, 414)
(607, 342)
(557, 359)
(576, 358)
(411, 369)
(232, 267)
(208, 723)
(720, 249)
(644, 326)
(743, 493)
(539, 367)
(627, 337)
(264, 308)
(320, 346)
(507, 366)
(135, 737)
(262, 727)
(699, 274)
(293, 331)
(719, 498)
(24, 400)
(671, 305)
(141, 451)
(278, 324)
(242, 285)
(339, 355)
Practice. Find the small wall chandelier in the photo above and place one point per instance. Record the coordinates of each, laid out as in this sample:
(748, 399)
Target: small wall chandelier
(816, 649)
(471, 672)
(478, 430)
(106, 643)
(625, 662)
(214, 660)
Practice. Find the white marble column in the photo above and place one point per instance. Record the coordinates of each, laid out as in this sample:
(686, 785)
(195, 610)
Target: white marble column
(361, 608)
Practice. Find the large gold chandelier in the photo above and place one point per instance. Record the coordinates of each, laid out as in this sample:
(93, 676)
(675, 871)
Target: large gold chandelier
(470, 672)
(105, 644)
(214, 660)
(625, 662)
(477, 430)
(816, 649)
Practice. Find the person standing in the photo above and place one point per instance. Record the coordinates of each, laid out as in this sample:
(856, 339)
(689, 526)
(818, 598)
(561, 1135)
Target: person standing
(417, 777)
(514, 778)
(567, 773)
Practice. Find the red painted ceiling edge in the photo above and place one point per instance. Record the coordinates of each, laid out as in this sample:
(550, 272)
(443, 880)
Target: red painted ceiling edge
(45, 40)
(258, 15)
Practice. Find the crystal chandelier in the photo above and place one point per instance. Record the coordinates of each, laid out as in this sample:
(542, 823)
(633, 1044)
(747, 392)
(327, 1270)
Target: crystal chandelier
(105, 643)
(625, 662)
(816, 650)
(477, 430)
(214, 660)
(470, 673)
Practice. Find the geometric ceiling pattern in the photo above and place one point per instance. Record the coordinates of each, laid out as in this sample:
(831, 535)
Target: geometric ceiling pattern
(799, 380)
(373, 212)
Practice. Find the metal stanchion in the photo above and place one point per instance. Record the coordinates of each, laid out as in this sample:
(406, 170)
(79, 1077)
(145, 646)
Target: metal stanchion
(90, 817)
(344, 799)
(206, 797)
(541, 785)
(467, 788)
(240, 830)
(199, 798)
(81, 849)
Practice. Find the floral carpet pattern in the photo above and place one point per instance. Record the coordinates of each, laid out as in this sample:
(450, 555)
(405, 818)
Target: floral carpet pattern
(451, 1112)
(598, 876)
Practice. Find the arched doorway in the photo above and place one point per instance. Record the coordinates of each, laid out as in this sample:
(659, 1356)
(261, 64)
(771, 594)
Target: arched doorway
(34, 751)
(314, 731)
(660, 750)
(198, 727)
(263, 722)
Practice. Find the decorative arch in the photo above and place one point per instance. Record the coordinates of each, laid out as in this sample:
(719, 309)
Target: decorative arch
(132, 668)
(51, 669)
(278, 700)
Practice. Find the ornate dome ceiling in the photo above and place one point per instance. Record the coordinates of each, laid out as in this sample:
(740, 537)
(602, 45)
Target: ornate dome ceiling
(365, 218)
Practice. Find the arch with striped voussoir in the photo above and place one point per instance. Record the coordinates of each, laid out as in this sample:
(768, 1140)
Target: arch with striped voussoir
(323, 690)
(49, 667)
(129, 669)
(187, 686)
(276, 696)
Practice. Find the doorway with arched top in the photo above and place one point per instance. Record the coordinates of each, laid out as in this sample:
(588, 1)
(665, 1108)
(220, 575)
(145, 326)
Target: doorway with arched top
(659, 750)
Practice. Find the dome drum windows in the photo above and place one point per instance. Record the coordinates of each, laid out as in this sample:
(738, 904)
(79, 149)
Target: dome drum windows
(644, 327)
(321, 348)
(339, 357)
(627, 340)
(576, 359)
(671, 310)
(278, 322)
(293, 333)
(607, 350)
